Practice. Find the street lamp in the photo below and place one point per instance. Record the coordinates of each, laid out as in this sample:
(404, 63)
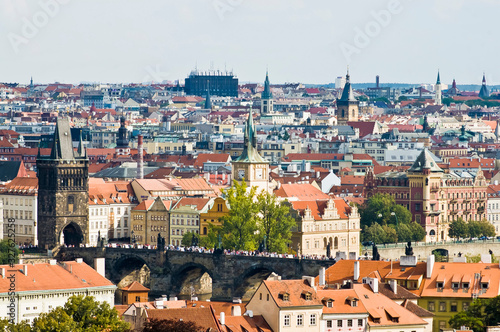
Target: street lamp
(395, 216)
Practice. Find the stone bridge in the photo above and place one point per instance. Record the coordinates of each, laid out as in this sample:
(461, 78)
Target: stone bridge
(231, 275)
(422, 250)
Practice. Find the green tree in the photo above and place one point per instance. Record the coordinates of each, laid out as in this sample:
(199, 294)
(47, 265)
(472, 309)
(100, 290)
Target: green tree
(81, 314)
(390, 234)
(417, 231)
(492, 311)
(464, 319)
(404, 233)
(6, 326)
(458, 229)
(187, 239)
(379, 234)
(8, 251)
(402, 98)
(276, 222)
(239, 227)
(170, 325)
(384, 205)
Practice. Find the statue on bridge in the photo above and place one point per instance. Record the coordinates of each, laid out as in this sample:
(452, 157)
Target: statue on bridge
(375, 254)
(194, 241)
(408, 249)
(328, 250)
(160, 242)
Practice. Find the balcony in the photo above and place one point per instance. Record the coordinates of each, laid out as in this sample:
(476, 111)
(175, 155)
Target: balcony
(434, 189)
(466, 201)
(466, 212)
(452, 212)
(453, 201)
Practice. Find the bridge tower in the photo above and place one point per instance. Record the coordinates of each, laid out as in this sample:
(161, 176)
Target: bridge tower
(63, 210)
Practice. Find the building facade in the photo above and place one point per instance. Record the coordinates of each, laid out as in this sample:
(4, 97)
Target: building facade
(63, 211)
(434, 198)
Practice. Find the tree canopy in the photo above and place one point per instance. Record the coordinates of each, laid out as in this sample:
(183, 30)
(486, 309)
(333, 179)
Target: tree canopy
(481, 313)
(251, 217)
(462, 229)
(384, 221)
(8, 251)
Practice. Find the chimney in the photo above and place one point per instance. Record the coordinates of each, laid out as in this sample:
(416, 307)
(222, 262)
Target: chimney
(394, 286)
(250, 313)
(322, 276)
(373, 284)
(377, 80)
(99, 266)
(430, 265)
(235, 310)
(52, 261)
(310, 280)
(356, 271)
(222, 318)
(79, 260)
(25, 269)
(3, 272)
(140, 161)
(318, 174)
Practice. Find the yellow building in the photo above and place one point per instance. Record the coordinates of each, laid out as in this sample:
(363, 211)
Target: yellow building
(218, 210)
(150, 218)
(450, 288)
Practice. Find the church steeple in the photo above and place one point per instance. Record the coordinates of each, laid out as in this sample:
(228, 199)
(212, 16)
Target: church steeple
(484, 93)
(347, 105)
(266, 97)
(438, 96)
(250, 166)
(208, 102)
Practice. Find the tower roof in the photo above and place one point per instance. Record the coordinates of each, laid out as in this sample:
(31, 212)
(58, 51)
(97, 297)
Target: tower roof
(250, 153)
(208, 102)
(63, 143)
(347, 94)
(426, 160)
(484, 89)
(438, 81)
(122, 141)
(267, 94)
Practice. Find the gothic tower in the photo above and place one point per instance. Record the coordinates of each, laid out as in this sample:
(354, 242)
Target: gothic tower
(63, 210)
(122, 148)
(250, 166)
(266, 103)
(438, 91)
(347, 105)
(484, 93)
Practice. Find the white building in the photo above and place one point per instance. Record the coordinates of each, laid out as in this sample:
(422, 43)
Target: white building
(39, 288)
(19, 198)
(493, 206)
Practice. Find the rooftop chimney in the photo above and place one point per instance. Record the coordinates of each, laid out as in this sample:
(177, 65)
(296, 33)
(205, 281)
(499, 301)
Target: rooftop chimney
(356, 271)
(377, 80)
(222, 318)
(430, 265)
(322, 276)
(25, 269)
(235, 310)
(394, 285)
(140, 161)
(99, 266)
(3, 272)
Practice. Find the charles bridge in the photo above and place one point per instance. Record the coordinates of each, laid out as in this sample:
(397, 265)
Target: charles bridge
(232, 275)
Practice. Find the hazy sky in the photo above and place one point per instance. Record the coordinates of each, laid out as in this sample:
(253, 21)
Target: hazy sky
(310, 41)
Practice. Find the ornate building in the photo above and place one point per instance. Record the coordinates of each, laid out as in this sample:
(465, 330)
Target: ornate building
(347, 105)
(433, 197)
(63, 210)
(326, 223)
(250, 166)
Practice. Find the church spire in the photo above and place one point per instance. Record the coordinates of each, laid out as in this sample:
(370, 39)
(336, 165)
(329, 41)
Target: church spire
(208, 102)
(267, 94)
(81, 152)
(438, 81)
(484, 93)
(250, 153)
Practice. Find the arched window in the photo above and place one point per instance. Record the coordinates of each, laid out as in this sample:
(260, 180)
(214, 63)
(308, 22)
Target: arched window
(71, 203)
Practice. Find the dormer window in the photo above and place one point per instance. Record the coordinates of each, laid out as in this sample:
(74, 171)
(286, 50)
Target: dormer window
(284, 296)
(439, 284)
(465, 285)
(307, 296)
(329, 304)
(455, 285)
(484, 285)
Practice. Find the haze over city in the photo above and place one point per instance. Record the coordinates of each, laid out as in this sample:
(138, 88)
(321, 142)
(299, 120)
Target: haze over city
(298, 41)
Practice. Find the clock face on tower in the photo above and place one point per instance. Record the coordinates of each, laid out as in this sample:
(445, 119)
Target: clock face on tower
(241, 174)
(258, 173)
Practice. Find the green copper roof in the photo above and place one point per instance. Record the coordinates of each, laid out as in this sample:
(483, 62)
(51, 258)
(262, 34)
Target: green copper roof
(267, 94)
(250, 153)
(438, 79)
(425, 160)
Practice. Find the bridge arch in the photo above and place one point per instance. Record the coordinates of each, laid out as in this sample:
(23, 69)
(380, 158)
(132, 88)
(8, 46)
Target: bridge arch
(128, 268)
(248, 281)
(194, 275)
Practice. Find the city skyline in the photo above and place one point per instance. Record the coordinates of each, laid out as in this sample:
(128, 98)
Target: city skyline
(402, 41)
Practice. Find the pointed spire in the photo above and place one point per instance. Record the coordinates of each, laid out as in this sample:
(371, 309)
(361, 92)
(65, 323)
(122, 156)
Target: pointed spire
(438, 79)
(267, 94)
(454, 84)
(81, 149)
(484, 78)
(54, 154)
(347, 94)
(208, 102)
(250, 153)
